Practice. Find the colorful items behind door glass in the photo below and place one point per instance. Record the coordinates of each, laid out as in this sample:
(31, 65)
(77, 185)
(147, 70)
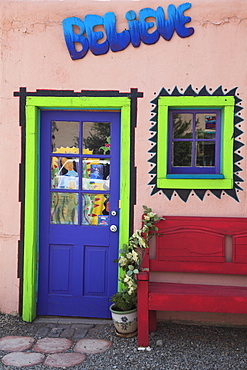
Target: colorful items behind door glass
(138, 30)
(67, 175)
(96, 174)
(64, 208)
(95, 177)
(93, 209)
(62, 167)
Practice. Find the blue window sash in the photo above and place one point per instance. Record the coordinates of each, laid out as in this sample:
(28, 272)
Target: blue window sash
(214, 170)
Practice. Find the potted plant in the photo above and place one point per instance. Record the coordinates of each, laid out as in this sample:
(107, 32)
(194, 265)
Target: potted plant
(124, 307)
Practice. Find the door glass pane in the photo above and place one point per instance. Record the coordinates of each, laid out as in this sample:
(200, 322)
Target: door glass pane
(64, 208)
(205, 154)
(181, 154)
(182, 125)
(65, 134)
(205, 126)
(95, 209)
(64, 173)
(96, 137)
(96, 174)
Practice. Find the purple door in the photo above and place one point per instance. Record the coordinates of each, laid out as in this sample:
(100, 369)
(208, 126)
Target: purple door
(79, 214)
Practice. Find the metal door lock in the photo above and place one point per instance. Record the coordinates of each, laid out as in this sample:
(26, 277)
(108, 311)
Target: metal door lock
(113, 228)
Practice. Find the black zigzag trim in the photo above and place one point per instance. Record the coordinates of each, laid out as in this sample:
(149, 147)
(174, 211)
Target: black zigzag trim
(237, 158)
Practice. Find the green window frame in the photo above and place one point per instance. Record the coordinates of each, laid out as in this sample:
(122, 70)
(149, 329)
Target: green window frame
(226, 104)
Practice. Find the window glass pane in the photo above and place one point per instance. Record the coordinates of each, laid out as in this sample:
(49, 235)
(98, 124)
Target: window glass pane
(205, 126)
(205, 154)
(181, 153)
(96, 137)
(182, 125)
(64, 173)
(96, 174)
(95, 209)
(64, 208)
(65, 134)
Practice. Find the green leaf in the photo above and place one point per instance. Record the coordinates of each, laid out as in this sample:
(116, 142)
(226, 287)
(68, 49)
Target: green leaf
(136, 271)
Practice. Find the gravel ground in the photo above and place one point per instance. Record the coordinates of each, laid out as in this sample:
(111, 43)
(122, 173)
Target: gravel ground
(173, 346)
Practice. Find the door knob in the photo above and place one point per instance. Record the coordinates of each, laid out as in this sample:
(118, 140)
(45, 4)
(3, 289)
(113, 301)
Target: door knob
(113, 228)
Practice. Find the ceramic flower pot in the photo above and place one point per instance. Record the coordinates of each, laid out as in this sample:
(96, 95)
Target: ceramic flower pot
(125, 322)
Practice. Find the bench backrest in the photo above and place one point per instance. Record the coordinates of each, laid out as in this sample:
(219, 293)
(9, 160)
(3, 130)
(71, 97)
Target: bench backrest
(201, 245)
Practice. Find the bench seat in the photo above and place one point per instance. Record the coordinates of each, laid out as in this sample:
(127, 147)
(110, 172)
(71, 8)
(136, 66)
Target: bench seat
(197, 298)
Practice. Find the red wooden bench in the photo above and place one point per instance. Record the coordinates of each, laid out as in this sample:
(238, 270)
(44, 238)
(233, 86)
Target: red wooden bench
(201, 245)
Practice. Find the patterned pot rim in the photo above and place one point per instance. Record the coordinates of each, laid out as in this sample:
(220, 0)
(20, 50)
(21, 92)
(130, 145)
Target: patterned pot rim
(121, 312)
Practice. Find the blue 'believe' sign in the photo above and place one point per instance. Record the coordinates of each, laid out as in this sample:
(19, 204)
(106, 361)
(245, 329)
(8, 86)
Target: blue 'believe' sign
(138, 30)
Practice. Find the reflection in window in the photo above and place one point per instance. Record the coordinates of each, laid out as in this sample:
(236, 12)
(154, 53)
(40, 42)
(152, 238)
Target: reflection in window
(205, 154)
(64, 134)
(95, 209)
(205, 126)
(194, 141)
(182, 125)
(96, 137)
(64, 208)
(182, 153)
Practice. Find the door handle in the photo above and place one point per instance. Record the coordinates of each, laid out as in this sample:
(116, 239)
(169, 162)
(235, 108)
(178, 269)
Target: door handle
(113, 228)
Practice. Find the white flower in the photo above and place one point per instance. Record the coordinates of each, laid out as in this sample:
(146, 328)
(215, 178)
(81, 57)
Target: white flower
(142, 243)
(126, 279)
(135, 256)
(122, 261)
(151, 214)
(145, 229)
(131, 290)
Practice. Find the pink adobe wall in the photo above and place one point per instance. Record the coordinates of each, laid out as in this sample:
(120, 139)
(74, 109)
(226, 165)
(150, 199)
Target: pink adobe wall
(34, 55)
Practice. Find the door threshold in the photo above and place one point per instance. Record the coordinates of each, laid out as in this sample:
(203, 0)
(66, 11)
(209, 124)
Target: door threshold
(70, 320)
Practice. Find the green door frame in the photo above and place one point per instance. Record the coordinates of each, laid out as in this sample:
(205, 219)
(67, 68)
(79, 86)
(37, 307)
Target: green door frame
(31, 191)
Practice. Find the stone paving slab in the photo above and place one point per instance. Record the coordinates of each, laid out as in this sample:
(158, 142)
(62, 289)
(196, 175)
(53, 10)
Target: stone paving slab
(42, 332)
(80, 333)
(67, 333)
(16, 343)
(52, 345)
(65, 359)
(55, 332)
(92, 346)
(21, 359)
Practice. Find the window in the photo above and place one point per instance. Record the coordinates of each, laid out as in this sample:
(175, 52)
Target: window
(195, 142)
